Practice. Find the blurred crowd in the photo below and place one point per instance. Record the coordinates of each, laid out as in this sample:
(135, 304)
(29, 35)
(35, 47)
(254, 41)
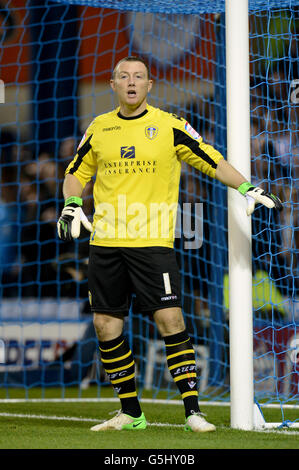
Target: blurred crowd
(34, 263)
(275, 167)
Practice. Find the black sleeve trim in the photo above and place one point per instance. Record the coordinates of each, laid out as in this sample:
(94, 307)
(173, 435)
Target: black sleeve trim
(81, 153)
(180, 138)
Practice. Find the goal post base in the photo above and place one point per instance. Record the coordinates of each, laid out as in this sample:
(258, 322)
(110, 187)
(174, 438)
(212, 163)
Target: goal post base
(259, 422)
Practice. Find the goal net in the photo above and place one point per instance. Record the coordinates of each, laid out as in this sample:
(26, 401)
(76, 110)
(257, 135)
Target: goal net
(56, 62)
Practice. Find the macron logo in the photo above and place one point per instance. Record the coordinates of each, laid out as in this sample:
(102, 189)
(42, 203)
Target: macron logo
(192, 384)
(127, 152)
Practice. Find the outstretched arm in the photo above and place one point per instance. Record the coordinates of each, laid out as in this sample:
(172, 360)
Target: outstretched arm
(228, 175)
(231, 177)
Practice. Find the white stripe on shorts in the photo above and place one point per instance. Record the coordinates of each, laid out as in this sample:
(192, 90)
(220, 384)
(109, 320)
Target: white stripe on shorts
(167, 285)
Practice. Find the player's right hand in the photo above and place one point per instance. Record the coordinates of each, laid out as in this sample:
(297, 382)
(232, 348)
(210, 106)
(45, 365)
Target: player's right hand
(69, 223)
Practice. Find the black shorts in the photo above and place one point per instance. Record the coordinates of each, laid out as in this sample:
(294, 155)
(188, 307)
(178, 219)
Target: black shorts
(149, 276)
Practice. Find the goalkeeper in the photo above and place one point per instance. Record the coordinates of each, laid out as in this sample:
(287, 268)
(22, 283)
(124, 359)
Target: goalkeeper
(136, 152)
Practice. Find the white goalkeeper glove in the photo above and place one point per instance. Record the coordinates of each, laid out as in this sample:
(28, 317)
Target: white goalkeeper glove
(69, 223)
(255, 195)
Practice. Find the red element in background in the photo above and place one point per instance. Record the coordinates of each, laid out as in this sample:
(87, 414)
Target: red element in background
(104, 41)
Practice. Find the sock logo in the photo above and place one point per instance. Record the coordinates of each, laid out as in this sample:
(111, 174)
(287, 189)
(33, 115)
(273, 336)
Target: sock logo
(192, 384)
(181, 370)
(117, 374)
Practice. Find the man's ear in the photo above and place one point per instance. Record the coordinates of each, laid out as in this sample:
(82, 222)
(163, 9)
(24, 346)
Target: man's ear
(150, 84)
(112, 84)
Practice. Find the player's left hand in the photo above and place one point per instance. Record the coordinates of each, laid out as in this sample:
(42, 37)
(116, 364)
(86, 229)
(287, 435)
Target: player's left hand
(256, 195)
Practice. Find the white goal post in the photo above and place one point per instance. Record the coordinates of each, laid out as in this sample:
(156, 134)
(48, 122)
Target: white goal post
(245, 414)
(239, 224)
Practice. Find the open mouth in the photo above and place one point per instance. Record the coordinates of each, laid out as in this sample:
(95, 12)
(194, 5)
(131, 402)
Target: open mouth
(132, 93)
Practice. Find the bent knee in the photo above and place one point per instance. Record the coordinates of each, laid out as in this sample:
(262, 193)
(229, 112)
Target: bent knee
(169, 321)
(108, 326)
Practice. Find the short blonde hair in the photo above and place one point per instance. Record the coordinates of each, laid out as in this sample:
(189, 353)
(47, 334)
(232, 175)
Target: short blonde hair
(132, 58)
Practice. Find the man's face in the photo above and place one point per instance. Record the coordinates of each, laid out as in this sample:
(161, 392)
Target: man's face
(131, 84)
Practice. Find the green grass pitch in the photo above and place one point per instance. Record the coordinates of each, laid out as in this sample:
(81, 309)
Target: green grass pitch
(66, 425)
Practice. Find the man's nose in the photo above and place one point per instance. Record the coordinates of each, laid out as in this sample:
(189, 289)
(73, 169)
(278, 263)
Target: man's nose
(131, 81)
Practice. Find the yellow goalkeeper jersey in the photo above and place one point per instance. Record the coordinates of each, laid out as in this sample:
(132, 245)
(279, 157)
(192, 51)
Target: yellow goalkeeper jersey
(137, 163)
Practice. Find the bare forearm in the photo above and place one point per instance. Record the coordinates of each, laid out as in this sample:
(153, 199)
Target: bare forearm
(72, 187)
(228, 175)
